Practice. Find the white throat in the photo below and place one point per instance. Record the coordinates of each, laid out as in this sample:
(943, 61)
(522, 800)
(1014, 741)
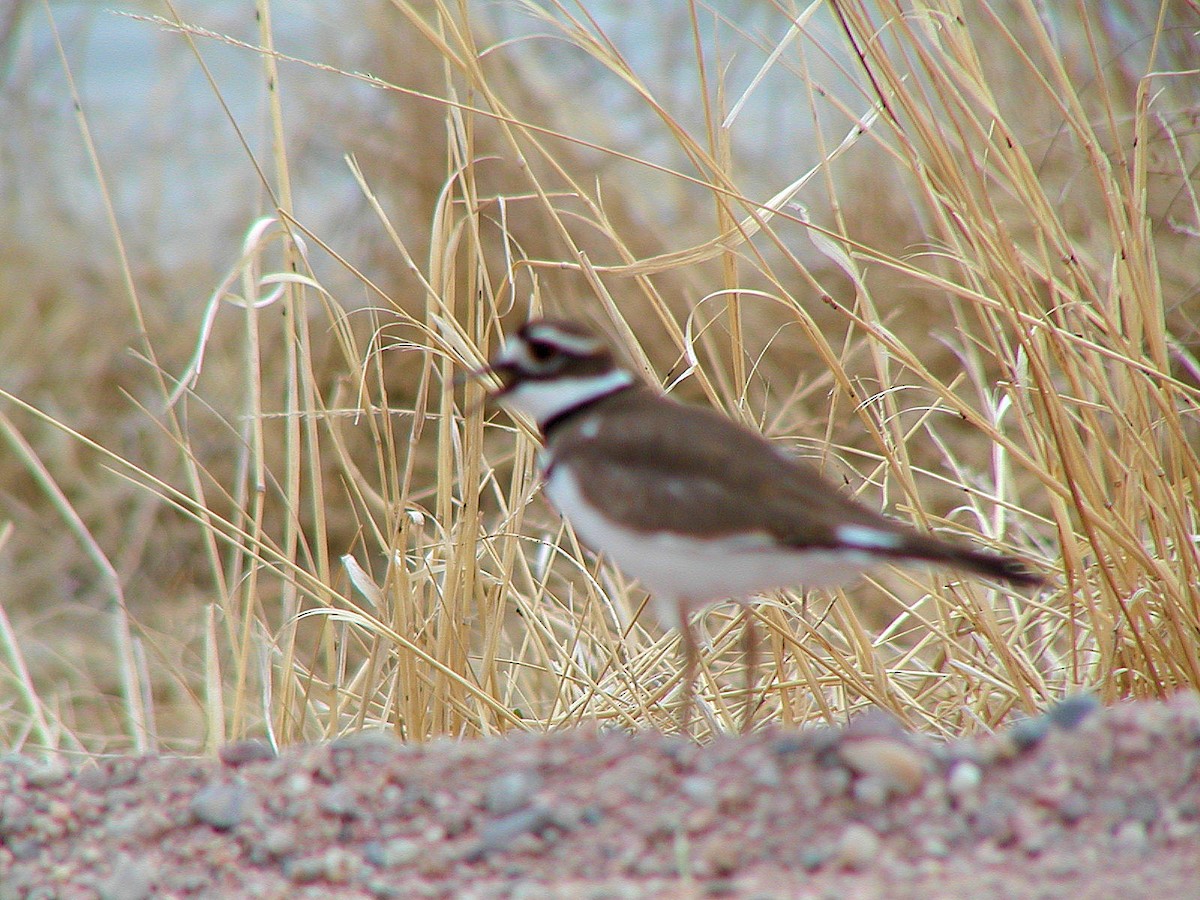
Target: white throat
(544, 400)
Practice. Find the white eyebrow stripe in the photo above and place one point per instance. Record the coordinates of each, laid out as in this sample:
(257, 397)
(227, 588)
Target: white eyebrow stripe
(572, 343)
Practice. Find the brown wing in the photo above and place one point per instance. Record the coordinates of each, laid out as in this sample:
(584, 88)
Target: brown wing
(691, 468)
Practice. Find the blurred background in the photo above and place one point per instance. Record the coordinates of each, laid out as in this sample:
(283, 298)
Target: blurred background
(950, 255)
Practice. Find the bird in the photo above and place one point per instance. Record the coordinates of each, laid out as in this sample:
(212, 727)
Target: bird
(698, 508)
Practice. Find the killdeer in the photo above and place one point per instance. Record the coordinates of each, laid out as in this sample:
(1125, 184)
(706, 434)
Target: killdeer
(695, 506)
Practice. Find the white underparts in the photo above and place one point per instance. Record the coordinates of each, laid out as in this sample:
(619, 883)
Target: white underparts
(694, 572)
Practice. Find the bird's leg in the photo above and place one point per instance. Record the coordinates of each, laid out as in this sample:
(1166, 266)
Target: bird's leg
(690, 651)
(750, 649)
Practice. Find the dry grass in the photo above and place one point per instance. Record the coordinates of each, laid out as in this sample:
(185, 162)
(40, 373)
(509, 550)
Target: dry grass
(971, 300)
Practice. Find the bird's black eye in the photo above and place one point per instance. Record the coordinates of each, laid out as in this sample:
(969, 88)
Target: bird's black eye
(541, 352)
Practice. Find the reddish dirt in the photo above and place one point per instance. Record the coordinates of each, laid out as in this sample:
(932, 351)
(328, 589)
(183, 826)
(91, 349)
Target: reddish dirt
(1079, 803)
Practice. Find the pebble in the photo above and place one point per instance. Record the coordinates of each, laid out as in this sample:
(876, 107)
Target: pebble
(720, 887)
(872, 790)
(122, 771)
(339, 800)
(566, 816)
(700, 819)
(1063, 865)
(699, 790)
(382, 889)
(500, 833)
(298, 784)
(92, 778)
(530, 890)
(1114, 809)
(964, 779)
(616, 891)
(434, 864)
(812, 858)
(1133, 743)
(369, 739)
(990, 855)
(511, 791)
(931, 868)
(1030, 830)
(304, 869)
(279, 841)
(222, 805)
(1051, 785)
(1070, 711)
(1073, 807)
(1026, 734)
(139, 824)
(994, 748)
(1179, 830)
(339, 864)
(789, 745)
(723, 857)
(243, 753)
(766, 774)
(857, 847)
(898, 766)
(522, 844)
(935, 847)
(591, 815)
(1145, 808)
(835, 782)
(454, 822)
(1131, 836)
(823, 740)
(873, 722)
(131, 879)
(652, 866)
(393, 854)
(993, 819)
(46, 774)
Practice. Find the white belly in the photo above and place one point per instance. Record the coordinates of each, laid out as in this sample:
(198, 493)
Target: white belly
(697, 572)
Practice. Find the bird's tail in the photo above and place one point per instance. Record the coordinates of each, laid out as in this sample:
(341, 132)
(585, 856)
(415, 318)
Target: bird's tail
(994, 565)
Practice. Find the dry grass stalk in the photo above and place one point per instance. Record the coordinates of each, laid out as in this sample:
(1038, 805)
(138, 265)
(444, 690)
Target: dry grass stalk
(375, 555)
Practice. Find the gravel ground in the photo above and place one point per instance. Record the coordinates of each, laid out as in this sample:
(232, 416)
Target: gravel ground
(1079, 803)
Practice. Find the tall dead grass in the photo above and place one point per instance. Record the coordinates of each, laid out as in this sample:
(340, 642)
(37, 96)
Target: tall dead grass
(971, 303)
